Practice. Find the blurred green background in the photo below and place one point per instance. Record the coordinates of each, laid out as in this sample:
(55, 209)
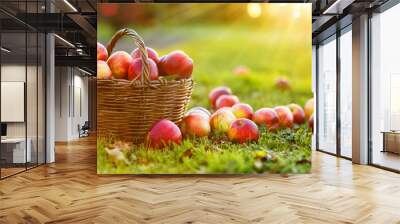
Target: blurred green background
(272, 40)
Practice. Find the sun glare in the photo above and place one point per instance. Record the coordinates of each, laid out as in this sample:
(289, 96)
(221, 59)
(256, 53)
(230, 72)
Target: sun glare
(254, 10)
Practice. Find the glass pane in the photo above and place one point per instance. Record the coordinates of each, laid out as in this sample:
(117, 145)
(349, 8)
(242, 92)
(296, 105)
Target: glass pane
(327, 96)
(13, 86)
(346, 94)
(41, 98)
(32, 97)
(386, 89)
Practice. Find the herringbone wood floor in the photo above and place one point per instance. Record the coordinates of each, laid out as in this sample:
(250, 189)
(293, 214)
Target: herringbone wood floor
(69, 191)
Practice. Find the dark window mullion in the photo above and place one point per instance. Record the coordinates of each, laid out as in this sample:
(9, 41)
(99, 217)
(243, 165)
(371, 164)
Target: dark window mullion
(338, 98)
(37, 90)
(26, 87)
(0, 96)
(316, 120)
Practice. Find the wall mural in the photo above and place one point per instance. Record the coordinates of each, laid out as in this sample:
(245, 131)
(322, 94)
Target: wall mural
(204, 88)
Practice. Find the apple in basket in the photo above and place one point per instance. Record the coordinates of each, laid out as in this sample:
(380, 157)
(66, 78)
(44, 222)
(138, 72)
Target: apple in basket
(243, 130)
(103, 71)
(221, 119)
(299, 117)
(163, 133)
(102, 53)
(151, 53)
(267, 117)
(217, 92)
(226, 101)
(119, 63)
(135, 69)
(195, 125)
(176, 63)
(285, 116)
(242, 110)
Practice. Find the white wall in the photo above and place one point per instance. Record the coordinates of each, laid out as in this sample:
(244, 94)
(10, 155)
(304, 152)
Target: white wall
(34, 124)
(70, 83)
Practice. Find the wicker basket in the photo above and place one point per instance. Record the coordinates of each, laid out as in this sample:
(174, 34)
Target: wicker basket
(127, 109)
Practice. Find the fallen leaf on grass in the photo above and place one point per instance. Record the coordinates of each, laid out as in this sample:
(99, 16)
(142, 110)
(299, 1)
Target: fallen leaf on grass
(116, 156)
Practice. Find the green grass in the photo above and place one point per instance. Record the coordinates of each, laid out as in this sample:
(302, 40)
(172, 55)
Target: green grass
(216, 51)
(286, 151)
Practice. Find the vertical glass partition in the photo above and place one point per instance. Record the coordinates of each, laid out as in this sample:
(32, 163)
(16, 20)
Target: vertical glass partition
(327, 95)
(22, 88)
(14, 144)
(346, 92)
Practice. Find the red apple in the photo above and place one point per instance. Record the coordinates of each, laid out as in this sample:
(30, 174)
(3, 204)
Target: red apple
(102, 53)
(221, 119)
(226, 101)
(299, 117)
(241, 70)
(282, 83)
(242, 110)
(217, 92)
(103, 71)
(160, 63)
(267, 117)
(163, 133)
(285, 116)
(135, 69)
(177, 63)
(151, 53)
(243, 130)
(309, 108)
(119, 63)
(199, 110)
(311, 122)
(195, 125)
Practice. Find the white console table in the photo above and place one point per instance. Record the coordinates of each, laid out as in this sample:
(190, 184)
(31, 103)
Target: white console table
(18, 150)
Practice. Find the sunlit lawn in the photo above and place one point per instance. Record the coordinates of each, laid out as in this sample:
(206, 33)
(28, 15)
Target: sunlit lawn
(216, 51)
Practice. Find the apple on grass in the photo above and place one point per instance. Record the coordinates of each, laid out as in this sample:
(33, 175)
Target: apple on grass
(311, 122)
(226, 101)
(199, 110)
(309, 108)
(242, 110)
(243, 130)
(282, 83)
(241, 70)
(267, 117)
(195, 125)
(102, 53)
(176, 63)
(221, 119)
(285, 116)
(103, 71)
(119, 63)
(163, 133)
(151, 54)
(299, 117)
(135, 69)
(216, 93)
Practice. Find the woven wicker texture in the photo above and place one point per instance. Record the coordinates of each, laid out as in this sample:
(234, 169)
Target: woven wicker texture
(127, 109)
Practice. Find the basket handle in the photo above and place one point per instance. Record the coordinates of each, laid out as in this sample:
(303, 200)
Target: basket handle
(145, 77)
